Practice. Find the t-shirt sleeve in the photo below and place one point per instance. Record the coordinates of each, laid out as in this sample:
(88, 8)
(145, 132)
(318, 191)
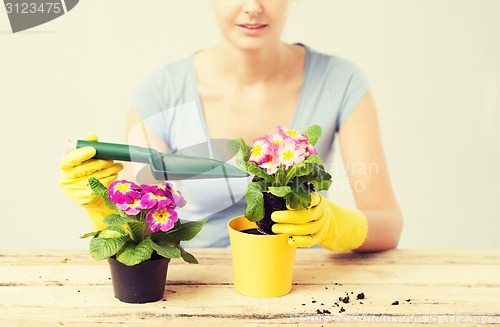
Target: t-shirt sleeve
(356, 87)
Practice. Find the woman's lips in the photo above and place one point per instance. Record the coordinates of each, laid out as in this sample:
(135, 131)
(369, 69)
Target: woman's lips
(252, 29)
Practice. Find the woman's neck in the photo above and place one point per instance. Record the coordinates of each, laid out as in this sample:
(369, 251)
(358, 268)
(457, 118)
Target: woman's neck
(249, 67)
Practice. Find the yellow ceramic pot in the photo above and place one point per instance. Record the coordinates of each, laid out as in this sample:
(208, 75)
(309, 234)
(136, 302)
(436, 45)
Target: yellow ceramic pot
(262, 264)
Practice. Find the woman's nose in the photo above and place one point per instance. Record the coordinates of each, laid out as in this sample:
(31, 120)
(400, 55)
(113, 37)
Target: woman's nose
(252, 7)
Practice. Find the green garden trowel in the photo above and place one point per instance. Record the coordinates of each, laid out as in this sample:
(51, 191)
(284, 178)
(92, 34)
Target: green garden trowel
(165, 166)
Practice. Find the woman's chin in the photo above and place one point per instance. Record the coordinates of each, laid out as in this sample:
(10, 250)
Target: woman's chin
(252, 44)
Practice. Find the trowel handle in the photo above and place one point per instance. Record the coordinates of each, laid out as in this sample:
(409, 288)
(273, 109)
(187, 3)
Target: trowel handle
(122, 152)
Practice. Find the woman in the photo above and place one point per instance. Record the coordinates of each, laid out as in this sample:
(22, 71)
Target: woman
(243, 87)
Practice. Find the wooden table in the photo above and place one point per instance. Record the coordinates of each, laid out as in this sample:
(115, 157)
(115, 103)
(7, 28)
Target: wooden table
(449, 287)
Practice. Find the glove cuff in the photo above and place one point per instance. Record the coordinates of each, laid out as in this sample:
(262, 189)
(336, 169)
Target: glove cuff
(352, 229)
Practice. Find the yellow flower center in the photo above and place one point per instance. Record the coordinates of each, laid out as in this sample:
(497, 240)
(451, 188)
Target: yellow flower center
(136, 203)
(292, 133)
(257, 150)
(156, 197)
(161, 216)
(124, 188)
(288, 155)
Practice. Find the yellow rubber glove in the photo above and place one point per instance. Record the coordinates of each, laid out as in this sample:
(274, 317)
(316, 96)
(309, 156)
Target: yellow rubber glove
(324, 223)
(76, 168)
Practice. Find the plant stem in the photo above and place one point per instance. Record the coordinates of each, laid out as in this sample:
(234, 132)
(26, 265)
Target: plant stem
(147, 231)
(131, 233)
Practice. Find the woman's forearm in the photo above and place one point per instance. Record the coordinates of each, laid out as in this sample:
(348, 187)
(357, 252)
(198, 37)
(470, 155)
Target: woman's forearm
(384, 229)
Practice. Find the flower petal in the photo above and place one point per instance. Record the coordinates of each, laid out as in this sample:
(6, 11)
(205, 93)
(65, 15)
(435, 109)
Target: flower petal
(123, 192)
(163, 219)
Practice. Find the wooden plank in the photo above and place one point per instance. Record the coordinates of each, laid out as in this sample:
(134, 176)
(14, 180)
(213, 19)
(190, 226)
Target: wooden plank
(95, 304)
(304, 256)
(328, 275)
(182, 273)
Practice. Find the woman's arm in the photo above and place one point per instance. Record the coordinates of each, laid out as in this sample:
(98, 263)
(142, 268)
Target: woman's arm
(138, 134)
(363, 156)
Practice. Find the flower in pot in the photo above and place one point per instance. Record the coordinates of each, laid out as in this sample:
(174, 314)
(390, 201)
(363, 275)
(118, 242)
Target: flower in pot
(143, 232)
(286, 169)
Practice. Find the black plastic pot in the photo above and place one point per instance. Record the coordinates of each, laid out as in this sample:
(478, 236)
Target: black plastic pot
(142, 283)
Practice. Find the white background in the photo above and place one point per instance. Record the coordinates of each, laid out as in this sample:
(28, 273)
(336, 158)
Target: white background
(433, 66)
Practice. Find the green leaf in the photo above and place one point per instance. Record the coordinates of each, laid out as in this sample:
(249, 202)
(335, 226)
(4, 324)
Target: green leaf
(279, 191)
(136, 229)
(102, 247)
(188, 257)
(132, 254)
(89, 234)
(322, 185)
(254, 169)
(164, 239)
(189, 230)
(314, 159)
(313, 133)
(255, 201)
(299, 184)
(239, 149)
(165, 247)
(320, 179)
(298, 170)
(97, 187)
(108, 233)
(117, 228)
(101, 190)
(115, 219)
(298, 200)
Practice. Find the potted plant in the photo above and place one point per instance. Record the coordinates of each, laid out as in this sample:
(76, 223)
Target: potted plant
(142, 235)
(286, 169)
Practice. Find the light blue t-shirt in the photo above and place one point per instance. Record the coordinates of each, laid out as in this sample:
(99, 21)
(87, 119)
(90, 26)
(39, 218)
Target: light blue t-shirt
(169, 103)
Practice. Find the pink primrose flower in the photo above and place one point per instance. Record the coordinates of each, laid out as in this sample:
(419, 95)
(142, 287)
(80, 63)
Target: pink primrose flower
(158, 189)
(310, 149)
(277, 135)
(270, 166)
(293, 134)
(163, 219)
(166, 189)
(289, 153)
(152, 200)
(131, 208)
(261, 151)
(123, 192)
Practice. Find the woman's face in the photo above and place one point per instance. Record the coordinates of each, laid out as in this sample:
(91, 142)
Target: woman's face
(251, 24)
